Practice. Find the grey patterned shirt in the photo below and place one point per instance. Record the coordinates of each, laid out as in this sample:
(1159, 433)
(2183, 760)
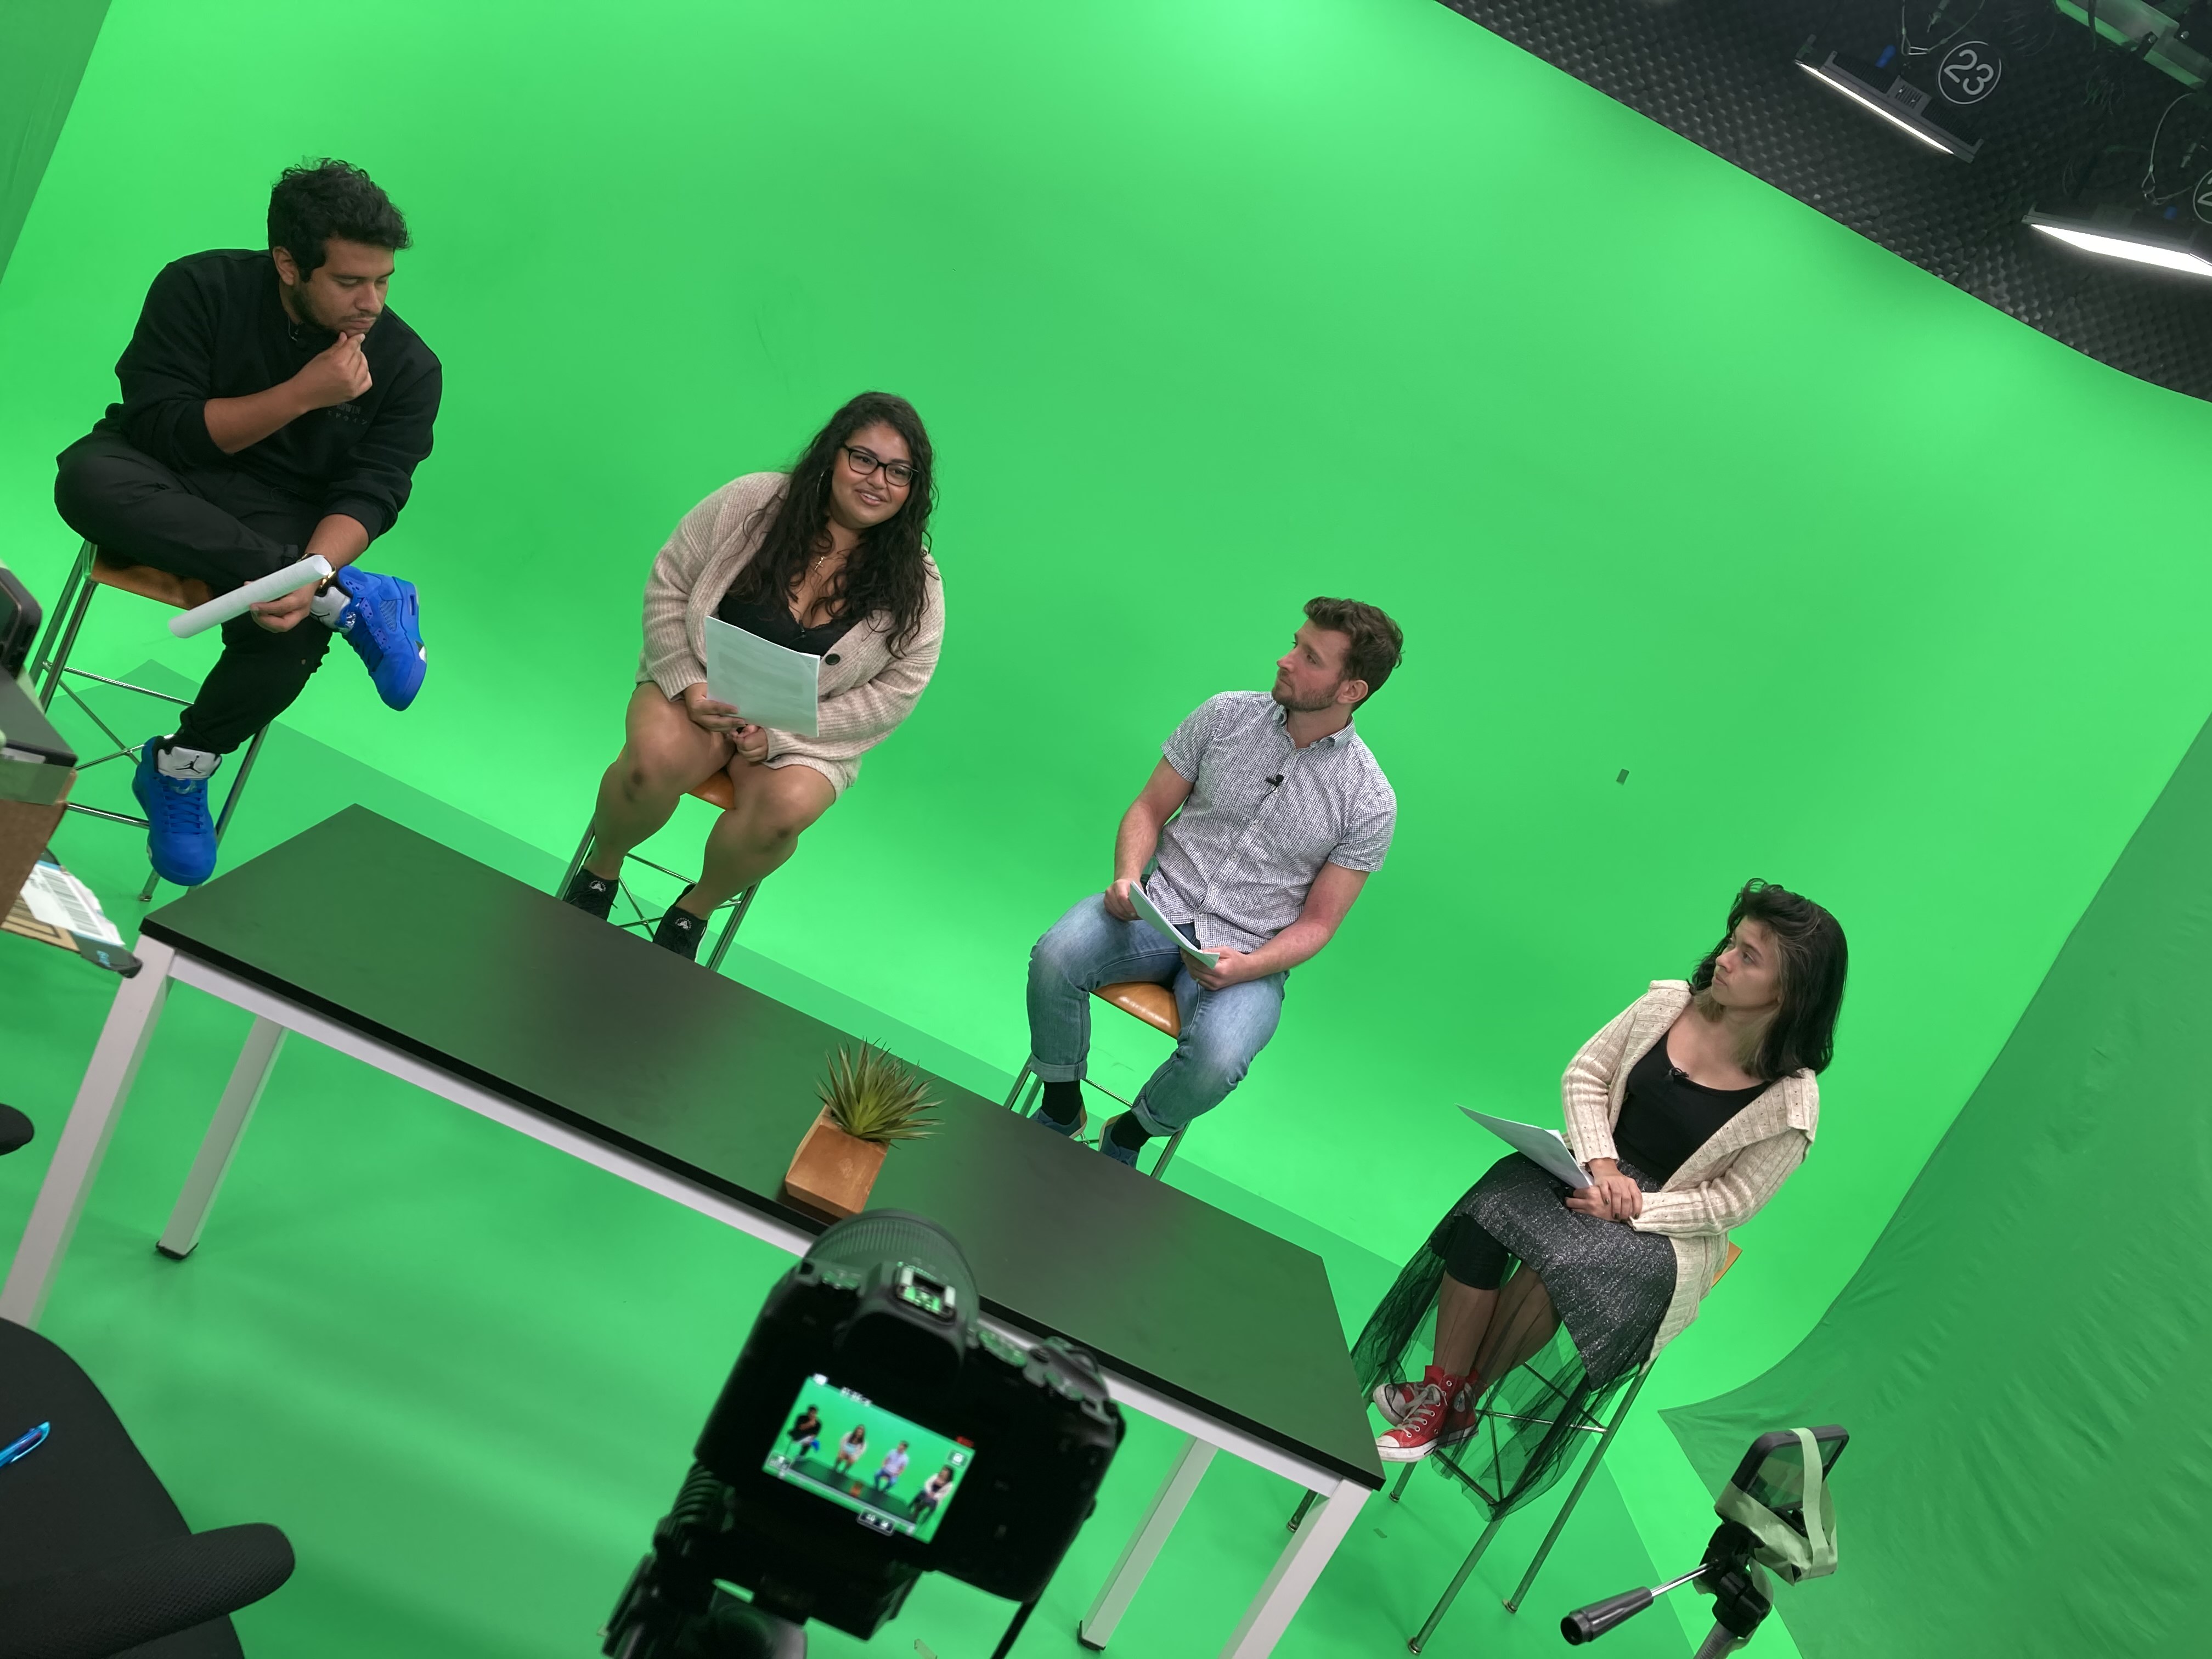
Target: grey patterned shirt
(1239, 858)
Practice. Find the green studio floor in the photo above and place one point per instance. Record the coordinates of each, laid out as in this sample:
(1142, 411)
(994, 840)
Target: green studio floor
(463, 1370)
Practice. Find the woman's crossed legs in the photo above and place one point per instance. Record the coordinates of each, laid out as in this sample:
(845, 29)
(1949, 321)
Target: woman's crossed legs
(663, 755)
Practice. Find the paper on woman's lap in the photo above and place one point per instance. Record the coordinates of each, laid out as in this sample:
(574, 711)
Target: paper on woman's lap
(768, 683)
(1547, 1149)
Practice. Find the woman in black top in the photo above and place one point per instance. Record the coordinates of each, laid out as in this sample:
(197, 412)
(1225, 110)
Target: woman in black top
(1688, 1110)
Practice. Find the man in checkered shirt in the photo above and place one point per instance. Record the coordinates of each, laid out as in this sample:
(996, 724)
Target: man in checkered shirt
(1261, 823)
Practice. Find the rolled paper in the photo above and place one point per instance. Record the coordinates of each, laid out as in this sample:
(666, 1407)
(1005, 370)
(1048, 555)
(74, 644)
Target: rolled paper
(274, 586)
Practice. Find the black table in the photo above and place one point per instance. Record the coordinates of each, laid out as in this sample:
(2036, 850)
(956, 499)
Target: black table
(506, 1001)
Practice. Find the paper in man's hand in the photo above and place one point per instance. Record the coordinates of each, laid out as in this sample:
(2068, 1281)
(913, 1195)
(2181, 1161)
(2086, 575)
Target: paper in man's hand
(1151, 913)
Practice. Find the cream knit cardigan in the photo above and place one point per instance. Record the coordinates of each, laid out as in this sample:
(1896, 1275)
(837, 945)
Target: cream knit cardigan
(1726, 1180)
(864, 693)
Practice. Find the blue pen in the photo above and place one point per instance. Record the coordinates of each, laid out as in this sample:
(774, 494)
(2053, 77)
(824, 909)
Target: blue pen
(24, 1446)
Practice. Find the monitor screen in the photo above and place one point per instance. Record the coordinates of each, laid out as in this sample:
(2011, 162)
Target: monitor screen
(896, 1476)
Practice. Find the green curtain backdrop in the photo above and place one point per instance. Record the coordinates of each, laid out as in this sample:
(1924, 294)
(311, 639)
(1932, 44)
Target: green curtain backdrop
(2022, 1360)
(43, 47)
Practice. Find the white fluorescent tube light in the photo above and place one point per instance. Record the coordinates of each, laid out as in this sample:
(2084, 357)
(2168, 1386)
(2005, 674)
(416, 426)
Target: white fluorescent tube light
(2121, 248)
(1886, 114)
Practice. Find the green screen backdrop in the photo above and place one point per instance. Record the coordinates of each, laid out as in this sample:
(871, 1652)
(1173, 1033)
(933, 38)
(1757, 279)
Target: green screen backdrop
(2019, 1359)
(1213, 306)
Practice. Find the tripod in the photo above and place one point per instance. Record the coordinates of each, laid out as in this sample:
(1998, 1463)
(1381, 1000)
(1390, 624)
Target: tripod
(1727, 1574)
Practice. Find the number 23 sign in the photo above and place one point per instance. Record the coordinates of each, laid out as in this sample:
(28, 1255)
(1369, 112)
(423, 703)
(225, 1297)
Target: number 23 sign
(1970, 72)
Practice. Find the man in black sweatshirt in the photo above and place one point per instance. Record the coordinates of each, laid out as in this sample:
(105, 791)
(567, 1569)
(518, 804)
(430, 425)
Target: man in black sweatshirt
(272, 410)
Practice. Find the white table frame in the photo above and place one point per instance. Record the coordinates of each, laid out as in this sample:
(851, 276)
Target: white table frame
(122, 1046)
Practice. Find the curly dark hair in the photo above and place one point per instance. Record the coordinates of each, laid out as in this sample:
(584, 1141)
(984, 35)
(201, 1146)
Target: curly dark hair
(886, 574)
(315, 201)
(1802, 1036)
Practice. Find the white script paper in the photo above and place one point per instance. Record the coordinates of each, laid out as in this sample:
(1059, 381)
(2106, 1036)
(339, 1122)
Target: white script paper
(761, 680)
(1151, 911)
(1546, 1148)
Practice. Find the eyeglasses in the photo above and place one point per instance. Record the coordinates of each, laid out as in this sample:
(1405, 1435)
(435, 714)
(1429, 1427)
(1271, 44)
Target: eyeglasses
(863, 462)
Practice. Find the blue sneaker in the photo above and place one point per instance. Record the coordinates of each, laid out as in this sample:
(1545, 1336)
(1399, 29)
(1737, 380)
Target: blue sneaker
(383, 621)
(1113, 1148)
(1052, 1125)
(180, 834)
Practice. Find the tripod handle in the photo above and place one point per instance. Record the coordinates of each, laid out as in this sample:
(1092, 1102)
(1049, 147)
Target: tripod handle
(1587, 1624)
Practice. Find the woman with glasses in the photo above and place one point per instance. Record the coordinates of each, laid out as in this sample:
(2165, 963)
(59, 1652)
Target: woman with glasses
(831, 559)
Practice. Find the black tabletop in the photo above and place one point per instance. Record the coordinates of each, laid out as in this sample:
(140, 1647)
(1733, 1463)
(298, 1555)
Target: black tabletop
(566, 1016)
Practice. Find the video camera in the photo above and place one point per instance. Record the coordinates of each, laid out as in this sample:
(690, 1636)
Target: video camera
(1776, 1513)
(870, 1432)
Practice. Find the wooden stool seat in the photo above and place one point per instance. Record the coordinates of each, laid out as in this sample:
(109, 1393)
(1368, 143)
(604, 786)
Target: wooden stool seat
(717, 791)
(1155, 1005)
(162, 587)
(1734, 1250)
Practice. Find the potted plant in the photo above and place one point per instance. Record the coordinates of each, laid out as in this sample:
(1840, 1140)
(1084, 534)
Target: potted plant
(868, 1101)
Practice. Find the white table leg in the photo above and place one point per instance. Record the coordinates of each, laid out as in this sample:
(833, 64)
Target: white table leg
(130, 1021)
(1296, 1568)
(232, 1114)
(1144, 1544)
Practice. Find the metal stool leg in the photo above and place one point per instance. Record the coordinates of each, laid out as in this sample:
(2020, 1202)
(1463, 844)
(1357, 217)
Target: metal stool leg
(68, 618)
(238, 783)
(1405, 1474)
(583, 852)
(1451, 1593)
(744, 902)
(1305, 1505)
(1575, 1497)
(1018, 1101)
(1161, 1167)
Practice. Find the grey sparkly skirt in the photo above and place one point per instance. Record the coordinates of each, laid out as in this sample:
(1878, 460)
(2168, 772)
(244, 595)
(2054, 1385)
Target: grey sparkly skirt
(1611, 1284)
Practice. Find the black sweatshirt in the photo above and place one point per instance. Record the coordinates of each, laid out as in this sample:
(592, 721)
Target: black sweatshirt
(214, 326)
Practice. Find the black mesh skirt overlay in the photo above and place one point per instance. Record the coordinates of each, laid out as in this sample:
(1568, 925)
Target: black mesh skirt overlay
(1609, 1286)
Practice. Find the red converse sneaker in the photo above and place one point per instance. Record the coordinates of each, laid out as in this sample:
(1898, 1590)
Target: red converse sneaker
(1443, 1415)
(1395, 1400)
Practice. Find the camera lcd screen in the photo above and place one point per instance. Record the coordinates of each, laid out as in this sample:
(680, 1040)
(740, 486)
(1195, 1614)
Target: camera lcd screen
(898, 1477)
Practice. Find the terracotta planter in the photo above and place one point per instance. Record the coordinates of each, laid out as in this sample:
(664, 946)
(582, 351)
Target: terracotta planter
(831, 1172)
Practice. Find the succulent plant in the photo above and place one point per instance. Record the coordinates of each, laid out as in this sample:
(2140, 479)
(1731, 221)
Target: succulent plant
(873, 1097)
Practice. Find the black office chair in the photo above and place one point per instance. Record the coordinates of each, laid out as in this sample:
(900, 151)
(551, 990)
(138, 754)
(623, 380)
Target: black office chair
(95, 1559)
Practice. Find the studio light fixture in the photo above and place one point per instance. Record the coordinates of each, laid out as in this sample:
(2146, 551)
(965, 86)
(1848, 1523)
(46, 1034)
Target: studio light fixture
(2158, 211)
(1935, 69)
(1879, 87)
(2168, 240)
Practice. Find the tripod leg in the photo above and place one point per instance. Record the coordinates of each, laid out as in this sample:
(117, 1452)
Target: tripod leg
(1006, 1642)
(1721, 1642)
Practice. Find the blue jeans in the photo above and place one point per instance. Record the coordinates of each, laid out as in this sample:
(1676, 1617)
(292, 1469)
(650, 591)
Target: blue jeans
(1222, 1031)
